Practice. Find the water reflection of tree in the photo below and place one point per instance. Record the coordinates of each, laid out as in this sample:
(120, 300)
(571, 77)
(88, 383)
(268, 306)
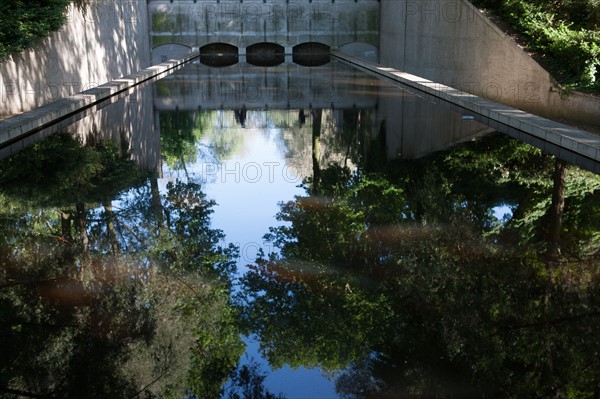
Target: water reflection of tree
(182, 132)
(109, 291)
(404, 277)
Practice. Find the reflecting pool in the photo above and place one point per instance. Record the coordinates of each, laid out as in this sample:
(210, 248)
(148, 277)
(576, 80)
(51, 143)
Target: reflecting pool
(294, 232)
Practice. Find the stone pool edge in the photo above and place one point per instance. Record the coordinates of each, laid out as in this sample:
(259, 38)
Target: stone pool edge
(18, 127)
(575, 140)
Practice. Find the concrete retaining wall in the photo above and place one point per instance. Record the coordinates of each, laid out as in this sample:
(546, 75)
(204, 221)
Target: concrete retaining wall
(451, 42)
(109, 40)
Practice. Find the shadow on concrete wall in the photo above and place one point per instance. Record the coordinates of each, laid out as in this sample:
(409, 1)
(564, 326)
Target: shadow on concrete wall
(169, 51)
(104, 41)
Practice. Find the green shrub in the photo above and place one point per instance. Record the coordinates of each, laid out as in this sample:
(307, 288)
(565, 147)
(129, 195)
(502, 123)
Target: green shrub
(563, 32)
(24, 23)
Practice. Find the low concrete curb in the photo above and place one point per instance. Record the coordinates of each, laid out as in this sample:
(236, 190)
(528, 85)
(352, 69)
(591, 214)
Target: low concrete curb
(21, 126)
(575, 140)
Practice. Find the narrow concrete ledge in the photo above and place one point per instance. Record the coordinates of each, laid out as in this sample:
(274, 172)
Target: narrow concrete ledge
(20, 126)
(575, 140)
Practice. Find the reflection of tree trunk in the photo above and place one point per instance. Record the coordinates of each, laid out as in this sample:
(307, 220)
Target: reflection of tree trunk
(66, 235)
(547, 370)
(316, 151)
(81, 229)
(156, 204)
(184, 166)
(110, 227)
(65, 226)
(81, 226)
(553, 252)
(556, 209)
(419, 211)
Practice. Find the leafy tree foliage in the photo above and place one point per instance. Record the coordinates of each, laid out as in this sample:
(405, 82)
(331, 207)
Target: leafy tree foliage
(408, 281)
(399, 279)
(60, 171)
(564, 32)
(24, 23)
(180, 130)
(97, 303)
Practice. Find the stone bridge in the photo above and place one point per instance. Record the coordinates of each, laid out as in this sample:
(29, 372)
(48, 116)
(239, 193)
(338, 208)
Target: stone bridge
(178, 26)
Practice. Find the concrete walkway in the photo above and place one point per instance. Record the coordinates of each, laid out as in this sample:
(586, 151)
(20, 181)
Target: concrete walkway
(575, 140)
(18, 128)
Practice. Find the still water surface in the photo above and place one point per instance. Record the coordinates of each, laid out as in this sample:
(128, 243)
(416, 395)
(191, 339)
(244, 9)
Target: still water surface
(294, 232)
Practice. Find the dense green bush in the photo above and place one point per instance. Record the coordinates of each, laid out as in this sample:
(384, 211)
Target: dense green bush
(24, 23)
(564, 33)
